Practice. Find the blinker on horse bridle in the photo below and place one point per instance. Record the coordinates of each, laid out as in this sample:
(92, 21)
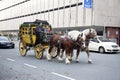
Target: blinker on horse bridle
(81, 43)
(77, 43)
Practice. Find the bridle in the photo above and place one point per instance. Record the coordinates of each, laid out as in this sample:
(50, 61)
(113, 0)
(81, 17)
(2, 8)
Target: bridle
(79, 43)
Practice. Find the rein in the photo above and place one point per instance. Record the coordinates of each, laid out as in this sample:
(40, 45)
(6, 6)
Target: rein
(78, 44)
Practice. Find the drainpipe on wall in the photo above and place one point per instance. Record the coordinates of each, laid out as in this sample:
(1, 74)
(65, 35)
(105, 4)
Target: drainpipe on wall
(104, 31)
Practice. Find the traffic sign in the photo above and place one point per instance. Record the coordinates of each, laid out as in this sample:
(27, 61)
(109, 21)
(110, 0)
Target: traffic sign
(88, 3)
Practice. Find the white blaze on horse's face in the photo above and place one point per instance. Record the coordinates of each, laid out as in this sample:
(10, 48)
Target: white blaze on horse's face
(93, 31)
(83, 37)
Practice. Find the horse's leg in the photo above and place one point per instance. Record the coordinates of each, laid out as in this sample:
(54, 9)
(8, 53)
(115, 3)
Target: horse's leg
(61, 53)
(77, 54)
(71, 54)
(88, 54)
(49, 53)
(54, 52)
(67, 57)
(59, 56)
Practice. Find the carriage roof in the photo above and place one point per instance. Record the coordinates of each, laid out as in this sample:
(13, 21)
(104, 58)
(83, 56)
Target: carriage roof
(35, 23)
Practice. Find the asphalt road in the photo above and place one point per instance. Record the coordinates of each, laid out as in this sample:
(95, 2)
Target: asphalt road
(15, 67)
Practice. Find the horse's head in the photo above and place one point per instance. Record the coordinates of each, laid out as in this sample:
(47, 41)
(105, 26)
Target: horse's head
(91, 33)
(80, 40)
(76, 36)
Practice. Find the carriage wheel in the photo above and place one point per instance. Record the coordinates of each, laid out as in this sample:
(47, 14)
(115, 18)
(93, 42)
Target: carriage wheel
(38, 50)
(22, 48)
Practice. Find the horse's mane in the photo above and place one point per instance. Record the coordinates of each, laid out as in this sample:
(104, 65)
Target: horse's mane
(74, 34)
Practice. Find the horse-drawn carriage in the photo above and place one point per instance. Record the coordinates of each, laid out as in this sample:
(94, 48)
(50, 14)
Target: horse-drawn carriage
(28, 38)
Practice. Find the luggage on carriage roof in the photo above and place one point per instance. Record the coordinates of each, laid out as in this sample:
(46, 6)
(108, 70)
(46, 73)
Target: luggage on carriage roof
(38, 22)
(41, 21)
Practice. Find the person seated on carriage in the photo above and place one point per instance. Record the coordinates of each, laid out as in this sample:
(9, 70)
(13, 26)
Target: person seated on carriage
(42, 28)
(48, 28)
(39, 31)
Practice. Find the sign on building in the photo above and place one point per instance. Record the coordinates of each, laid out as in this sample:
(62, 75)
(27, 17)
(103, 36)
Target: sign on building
(87, 3)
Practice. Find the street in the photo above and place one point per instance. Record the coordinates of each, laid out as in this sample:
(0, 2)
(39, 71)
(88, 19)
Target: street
(15, 67)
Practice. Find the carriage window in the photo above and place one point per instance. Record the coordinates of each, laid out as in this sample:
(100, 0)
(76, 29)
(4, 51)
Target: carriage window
(24, 30)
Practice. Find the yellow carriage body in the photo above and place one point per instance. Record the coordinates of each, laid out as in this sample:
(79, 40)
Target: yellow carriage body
(27, 34)
(28, 38)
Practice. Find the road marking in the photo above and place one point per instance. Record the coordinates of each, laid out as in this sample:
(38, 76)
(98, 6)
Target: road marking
(62, 76)
(30, 65)
(10, 59)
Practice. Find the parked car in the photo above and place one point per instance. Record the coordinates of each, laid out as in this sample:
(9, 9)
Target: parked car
(102, 45)
(5, 42)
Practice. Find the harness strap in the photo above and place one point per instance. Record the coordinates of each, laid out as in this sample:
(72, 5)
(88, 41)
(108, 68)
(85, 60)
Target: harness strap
(78, 44)
(87, 42)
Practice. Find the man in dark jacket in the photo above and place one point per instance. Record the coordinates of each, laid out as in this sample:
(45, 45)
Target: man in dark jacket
(39, 31)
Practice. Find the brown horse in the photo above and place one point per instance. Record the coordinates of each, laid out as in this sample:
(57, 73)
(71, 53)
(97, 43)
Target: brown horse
(89, 34)
(64, 43)
(54, 46)
(74, 35)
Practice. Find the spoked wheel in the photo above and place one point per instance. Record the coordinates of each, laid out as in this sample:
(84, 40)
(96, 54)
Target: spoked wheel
(38, 50)
(54, 52)
(22, 48)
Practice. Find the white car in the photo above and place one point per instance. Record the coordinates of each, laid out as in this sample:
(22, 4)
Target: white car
(102, 44)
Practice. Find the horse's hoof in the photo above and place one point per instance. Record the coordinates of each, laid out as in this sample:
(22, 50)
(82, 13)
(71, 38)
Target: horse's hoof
(49, 60)
(48, 57)
(90, 62)
(77, 61)
(68, 63)
(60, 59)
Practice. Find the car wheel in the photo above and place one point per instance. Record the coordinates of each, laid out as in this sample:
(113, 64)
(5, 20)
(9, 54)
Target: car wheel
(101, 50)
(13, 46)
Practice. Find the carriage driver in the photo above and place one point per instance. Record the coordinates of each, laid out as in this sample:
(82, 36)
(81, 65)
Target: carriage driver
(39, 31)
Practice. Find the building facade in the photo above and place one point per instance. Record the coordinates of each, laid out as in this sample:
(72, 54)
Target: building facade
(62, 14)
